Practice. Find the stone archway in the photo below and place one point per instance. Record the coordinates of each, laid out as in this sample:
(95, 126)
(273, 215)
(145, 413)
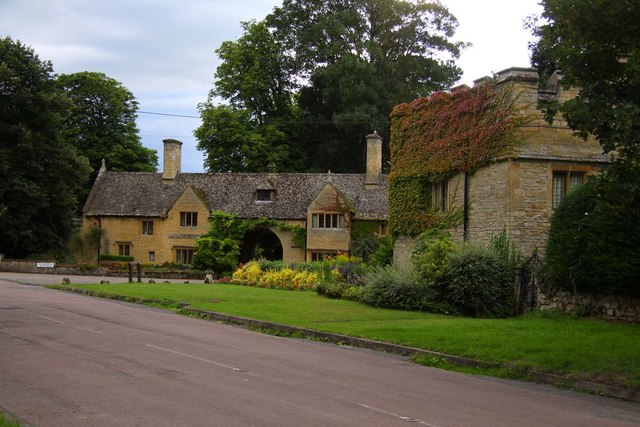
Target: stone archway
(261, 243)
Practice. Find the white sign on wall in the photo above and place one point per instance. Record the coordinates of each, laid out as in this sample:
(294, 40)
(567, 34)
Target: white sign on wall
(45, 264)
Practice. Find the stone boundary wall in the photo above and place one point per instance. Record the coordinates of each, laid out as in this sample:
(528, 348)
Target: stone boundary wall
(20, 266)
(611, 308)
(15, 266)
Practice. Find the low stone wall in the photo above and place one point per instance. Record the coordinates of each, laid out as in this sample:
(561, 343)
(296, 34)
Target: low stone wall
(20, 266)
(612, 308)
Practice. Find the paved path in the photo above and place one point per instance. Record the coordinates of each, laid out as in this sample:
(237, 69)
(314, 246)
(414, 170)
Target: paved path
(70, 360)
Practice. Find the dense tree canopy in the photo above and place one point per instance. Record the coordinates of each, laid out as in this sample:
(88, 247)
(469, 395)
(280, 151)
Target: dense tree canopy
(233, 142)
(39, 170)
(101, 124)
(596, 44)
(253, 133)
(326, 73)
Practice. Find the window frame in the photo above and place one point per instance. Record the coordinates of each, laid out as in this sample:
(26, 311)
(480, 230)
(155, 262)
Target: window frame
(260, 195)
(124, 248)
(562, 182)
(439, 195)
(188, 219)
(334, 220)
(317, 256)
(180, 255)
(147, 227)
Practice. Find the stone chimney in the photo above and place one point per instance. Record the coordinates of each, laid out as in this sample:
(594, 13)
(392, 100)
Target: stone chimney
(172, 158)
(374, 160)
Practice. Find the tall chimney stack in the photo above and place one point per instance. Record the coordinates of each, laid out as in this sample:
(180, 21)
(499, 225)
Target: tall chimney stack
(172, 158)
(374, 160)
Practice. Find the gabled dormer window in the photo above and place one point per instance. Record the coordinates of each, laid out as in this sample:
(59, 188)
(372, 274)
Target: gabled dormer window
(327, 221)
(265, 195)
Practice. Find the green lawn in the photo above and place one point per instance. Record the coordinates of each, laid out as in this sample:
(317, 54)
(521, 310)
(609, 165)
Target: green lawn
(547, 342)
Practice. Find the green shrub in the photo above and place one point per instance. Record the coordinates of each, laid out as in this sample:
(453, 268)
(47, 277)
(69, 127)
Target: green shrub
(364, 246)
(399, 289)
(217, 254)
(330, 290)
(506, 251)
(352, 272)
(120, 258)
(477, 283)
(431, 255)
(353, 293)
(384, 254)
(593, 245)
(266, 264)
(167, 266)
(312, 267)
(340, 291)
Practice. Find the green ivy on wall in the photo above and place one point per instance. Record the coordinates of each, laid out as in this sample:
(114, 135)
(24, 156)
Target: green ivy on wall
(219, 248)
(364, 228)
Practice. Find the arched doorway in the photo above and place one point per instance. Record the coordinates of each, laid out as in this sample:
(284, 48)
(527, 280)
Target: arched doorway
(261, 243)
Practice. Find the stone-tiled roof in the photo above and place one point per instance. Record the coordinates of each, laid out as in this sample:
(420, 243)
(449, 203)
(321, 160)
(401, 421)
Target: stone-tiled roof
(148, 195)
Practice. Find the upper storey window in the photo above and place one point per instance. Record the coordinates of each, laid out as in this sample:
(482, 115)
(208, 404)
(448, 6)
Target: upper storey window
(327, 221)
(188, 219)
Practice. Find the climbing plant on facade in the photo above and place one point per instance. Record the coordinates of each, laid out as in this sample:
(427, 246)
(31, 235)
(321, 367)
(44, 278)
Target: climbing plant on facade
(440, 136)
(219, 248)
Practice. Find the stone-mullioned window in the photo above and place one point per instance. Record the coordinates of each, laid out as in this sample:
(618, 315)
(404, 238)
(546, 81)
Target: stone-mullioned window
(563, 182)
(333, 221)
(124, 249)
(188, 219)
(321, 255)
(184, 255)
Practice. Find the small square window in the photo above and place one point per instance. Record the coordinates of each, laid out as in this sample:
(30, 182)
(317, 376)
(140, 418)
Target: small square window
(152, 256)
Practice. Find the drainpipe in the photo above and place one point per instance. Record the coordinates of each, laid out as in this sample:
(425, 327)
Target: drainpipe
(465, 220)
(99, 239)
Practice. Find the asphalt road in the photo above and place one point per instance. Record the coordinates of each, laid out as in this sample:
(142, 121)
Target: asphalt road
(70, 360)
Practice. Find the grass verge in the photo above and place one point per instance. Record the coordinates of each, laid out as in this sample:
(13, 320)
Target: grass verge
(581, 349)
(7, 422)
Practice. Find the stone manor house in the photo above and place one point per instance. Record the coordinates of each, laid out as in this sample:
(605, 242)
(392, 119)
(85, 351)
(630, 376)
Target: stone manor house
(157, 217)
(518, 191)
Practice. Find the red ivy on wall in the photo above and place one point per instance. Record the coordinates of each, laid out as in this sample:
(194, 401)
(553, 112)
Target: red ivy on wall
(453, 132)
(437, 137)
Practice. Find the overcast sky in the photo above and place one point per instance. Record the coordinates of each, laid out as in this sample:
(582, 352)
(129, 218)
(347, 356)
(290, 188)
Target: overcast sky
(163, 51)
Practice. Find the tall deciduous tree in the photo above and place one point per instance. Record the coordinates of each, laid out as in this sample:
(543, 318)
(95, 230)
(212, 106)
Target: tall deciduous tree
(596, 44)
(40, 172)
(233, 142)
(256, 132)
(345, 64)
(101, 124)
